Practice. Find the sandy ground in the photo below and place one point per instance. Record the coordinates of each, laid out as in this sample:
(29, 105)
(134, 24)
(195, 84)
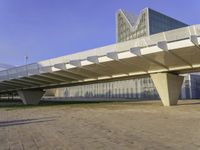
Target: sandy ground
(105, 126)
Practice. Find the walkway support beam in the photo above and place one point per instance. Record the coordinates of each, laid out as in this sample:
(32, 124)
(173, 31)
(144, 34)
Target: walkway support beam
(31, 97)
(168, 87)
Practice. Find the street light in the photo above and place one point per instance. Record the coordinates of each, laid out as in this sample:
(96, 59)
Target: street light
(26, 61)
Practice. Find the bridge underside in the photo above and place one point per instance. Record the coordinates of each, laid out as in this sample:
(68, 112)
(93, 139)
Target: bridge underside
(163, 61)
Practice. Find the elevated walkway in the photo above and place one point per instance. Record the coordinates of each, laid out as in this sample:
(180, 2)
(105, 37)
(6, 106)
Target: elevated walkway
(163, 56)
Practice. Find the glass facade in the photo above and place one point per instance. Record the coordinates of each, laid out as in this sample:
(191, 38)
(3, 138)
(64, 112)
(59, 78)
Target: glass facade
(159, 22)
(142, 88)
(191, 87)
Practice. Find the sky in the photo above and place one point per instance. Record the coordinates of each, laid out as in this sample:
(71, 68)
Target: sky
(43, 29)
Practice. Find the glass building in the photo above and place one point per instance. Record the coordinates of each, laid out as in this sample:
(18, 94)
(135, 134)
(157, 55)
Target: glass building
(147, 23)
(130, 27)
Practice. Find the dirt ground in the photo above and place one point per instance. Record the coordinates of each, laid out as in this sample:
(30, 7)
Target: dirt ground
(104, 126)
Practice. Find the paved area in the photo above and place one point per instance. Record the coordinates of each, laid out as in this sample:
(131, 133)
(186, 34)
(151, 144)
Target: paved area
(103, 126)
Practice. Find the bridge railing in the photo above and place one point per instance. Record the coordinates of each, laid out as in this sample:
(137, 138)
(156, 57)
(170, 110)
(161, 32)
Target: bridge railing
(46, 65)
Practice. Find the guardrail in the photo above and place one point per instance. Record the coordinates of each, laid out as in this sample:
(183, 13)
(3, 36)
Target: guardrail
(46, 65)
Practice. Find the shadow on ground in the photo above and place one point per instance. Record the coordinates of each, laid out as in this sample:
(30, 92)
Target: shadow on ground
(26, 121)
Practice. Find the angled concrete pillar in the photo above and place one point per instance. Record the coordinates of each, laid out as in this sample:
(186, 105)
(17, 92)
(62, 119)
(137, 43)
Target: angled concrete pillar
(50, 92)
(168, 87)
(31, 96)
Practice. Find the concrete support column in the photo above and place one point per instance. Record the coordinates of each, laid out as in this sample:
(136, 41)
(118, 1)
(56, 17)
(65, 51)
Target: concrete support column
(50, 92)
(31, 96)
(168, 87)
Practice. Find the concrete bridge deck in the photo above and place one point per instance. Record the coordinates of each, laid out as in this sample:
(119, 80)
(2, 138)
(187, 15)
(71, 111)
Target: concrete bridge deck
(163, 56)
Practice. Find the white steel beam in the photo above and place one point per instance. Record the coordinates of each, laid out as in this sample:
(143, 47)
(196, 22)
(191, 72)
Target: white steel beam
(68, 75)
(17, 83)
(82, 72)
(113, 55)
(57, 77)
(8, 86)
(42, 78)
(137, 52)
(78, 64)
(35, 79)
(23, 82)
(93, 59)
(11, 84)
(71, 73)
(163, 45)
(101, 68)
(51, 77)
(29, 80)
(61, 66)
(194, 40)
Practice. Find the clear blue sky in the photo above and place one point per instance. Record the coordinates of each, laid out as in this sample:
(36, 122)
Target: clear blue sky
(45, 29)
